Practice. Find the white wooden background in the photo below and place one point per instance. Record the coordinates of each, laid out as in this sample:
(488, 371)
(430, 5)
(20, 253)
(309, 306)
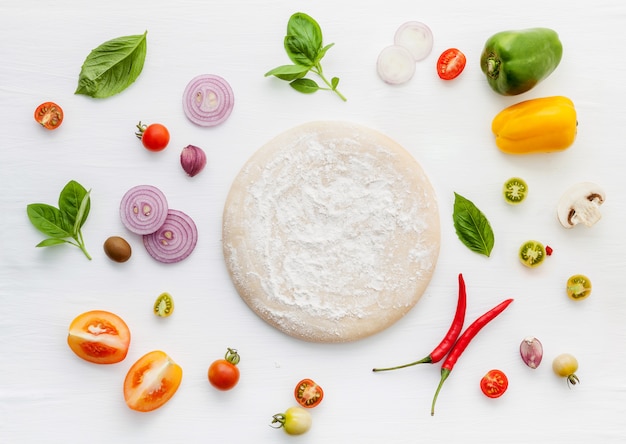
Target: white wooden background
(47, 394)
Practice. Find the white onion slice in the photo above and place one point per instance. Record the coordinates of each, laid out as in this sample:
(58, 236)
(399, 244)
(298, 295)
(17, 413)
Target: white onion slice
(174, 240)
(416, 37)
(208, 100)
(395, 65)
(143, 209)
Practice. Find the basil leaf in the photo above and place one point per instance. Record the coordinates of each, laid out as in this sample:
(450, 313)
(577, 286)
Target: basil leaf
(303, 40)
(113, 66)
(334, 82)
(51, 241)
(472, 227)
(70, 200)
(49, 220)
(306, 86)
(288, 72)
(83, 212)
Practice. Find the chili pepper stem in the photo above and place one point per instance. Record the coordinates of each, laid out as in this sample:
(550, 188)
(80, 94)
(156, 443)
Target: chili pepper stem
(444, 375)
(426, 360)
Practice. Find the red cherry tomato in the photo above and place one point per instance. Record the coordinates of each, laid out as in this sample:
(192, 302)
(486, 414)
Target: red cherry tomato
(151, 381)
(451, 63)
(223, 374)
(154, 137)
(49, 115)
(494, 383)
(99, 336)
(308, 393)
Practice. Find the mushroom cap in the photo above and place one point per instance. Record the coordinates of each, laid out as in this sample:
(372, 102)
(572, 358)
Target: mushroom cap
(580, 204)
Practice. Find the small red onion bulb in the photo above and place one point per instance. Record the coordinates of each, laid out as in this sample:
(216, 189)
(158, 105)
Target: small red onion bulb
(192, 159)
(531, 351)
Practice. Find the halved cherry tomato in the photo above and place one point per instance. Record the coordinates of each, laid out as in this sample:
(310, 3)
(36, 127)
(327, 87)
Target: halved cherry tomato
(494, 383)
(99, 336)
(308, 393)
(451, 63)
(49, 115)
(154, 137)
(151, 381)
(223, 374)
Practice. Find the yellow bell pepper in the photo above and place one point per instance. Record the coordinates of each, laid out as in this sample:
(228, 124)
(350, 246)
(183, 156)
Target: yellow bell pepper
(540, 125)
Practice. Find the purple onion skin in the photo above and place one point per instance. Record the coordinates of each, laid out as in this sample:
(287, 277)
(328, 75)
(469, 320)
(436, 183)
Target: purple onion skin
(192, 159)
(531, 351)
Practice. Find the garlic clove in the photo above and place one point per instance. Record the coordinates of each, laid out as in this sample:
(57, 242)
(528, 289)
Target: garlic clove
(531, 351)
(192, 159)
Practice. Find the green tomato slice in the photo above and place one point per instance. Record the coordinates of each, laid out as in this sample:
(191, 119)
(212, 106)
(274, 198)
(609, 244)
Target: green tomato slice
(164, 305)
(515, 190)
(532, 253)
(578, 287)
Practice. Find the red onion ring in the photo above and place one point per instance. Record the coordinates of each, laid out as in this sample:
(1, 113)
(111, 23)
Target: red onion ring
(208, 100)
(174, 240)
(143, 209)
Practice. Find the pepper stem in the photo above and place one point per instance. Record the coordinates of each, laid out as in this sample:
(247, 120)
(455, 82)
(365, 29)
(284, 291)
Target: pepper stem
(493, 66)
(426, 360)
(444, 375)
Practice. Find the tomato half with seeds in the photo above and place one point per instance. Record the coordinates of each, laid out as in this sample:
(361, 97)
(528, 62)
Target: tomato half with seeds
(451, 64)
(515, 190)
(99, 336)
(532, 253)
(494, 383)
(151, 381)
(578, 287)
(308, 393)
(49, 115)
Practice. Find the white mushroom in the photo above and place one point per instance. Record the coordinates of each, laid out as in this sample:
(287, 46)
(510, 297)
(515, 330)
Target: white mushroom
(581, 204)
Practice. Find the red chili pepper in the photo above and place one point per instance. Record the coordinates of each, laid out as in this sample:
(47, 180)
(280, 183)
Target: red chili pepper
(462, 343)
(448, 341)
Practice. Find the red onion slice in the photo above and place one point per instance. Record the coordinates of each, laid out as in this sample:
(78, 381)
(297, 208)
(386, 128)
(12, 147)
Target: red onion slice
(395, 65)
(174, 240)
(208, 100)
(416, 37)
(143, 209)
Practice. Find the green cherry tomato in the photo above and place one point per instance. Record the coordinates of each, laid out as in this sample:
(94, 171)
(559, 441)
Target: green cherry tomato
(565, 365)
(532, 253)
(295, 421)
(578, 287)
(514, 190)
(164, 305)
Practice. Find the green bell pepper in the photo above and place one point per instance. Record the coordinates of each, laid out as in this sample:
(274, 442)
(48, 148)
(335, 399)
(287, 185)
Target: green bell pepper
(515, 61)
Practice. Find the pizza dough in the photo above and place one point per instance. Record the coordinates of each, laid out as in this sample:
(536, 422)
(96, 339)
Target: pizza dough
(331, 232)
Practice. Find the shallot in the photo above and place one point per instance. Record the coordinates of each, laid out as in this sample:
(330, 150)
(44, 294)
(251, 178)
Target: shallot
(208, 100)
(192, 159)
(531, 351)
(395, 65)
(174, 240)
(143, 209)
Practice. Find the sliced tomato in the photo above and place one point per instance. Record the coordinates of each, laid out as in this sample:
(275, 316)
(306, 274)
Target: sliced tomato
(451, 63)
(151, 381)
(49, 115)
(494, 383)
(308, 393)
(99, 336)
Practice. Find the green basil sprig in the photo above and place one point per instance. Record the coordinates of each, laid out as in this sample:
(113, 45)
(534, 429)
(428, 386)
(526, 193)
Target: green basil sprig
(472, 227)
(304, 46)
(113, 66)
(63, 222)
